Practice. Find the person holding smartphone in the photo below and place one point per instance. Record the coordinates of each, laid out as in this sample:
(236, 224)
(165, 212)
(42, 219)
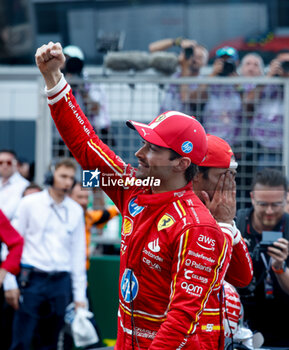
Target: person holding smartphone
(268, 292)
(192, 58)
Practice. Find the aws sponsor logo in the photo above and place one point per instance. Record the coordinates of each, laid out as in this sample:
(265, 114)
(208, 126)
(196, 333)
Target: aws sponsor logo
(206, 243)
(165, 222)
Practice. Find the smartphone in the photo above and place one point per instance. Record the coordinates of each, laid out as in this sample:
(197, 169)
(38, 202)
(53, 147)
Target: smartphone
(268, 238)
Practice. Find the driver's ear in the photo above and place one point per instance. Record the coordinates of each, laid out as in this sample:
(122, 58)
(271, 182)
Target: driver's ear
(182, 164)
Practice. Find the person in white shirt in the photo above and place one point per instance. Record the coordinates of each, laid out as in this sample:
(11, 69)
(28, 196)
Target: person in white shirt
(12, 184)
(53, 260)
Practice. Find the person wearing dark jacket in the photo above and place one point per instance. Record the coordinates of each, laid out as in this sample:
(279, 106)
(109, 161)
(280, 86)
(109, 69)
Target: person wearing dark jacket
(268, 292)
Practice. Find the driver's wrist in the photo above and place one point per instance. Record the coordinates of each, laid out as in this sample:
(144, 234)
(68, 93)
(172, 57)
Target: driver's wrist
(52, 79)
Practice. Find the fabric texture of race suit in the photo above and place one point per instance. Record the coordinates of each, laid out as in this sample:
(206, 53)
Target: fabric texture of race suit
(173, 255)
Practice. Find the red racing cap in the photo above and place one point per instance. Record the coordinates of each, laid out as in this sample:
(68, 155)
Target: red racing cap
(178, 131)
(219, 155)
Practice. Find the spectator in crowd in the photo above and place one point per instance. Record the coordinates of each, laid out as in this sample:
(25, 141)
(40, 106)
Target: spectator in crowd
(12, 184)
(214, 184)
(268, 292)
(267, 124)
(165, 224)
(32, 188)
(91, 97)
(251, 66)
(222, 112)
(25, 168)
(193, 57)
(53, 260)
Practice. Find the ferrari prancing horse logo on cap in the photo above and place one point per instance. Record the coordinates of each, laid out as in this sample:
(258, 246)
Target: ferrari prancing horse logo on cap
(160, 118)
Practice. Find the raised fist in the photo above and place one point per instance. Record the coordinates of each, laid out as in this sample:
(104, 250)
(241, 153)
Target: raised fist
(50, 59)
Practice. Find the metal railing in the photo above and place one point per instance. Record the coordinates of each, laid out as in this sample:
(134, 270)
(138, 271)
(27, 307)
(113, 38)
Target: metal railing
(251, 114)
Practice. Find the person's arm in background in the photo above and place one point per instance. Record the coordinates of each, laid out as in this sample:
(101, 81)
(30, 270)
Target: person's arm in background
(187, 94)
(101, 217)
(14, 243)
(223, 209)
(165, 44)
(275, 68)
(10, 285)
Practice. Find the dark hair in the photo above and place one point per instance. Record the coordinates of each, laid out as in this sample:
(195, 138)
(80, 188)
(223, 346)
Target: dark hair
(191, 169)
(282, 51)
(32, 186)
(9, 151)
(67, 162)
(270, 177)
(204, 170)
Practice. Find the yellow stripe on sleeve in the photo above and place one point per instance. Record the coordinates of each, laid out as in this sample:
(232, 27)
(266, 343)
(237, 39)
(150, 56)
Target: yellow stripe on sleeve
(181, 207)
(107, 157)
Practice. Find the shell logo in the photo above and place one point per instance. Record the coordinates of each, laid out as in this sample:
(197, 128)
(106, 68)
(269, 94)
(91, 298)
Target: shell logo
(127, 226)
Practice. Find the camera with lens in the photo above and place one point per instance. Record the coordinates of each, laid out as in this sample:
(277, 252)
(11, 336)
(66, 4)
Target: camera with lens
(189, 51)
(285, 66)
(229, 67)
(268, 238)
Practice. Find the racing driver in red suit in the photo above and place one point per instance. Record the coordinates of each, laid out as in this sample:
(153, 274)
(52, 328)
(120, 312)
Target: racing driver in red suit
(173, 254)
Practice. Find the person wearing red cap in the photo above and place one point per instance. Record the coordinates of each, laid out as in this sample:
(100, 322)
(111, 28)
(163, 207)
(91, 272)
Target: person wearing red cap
(173, 254)
(215, 185)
